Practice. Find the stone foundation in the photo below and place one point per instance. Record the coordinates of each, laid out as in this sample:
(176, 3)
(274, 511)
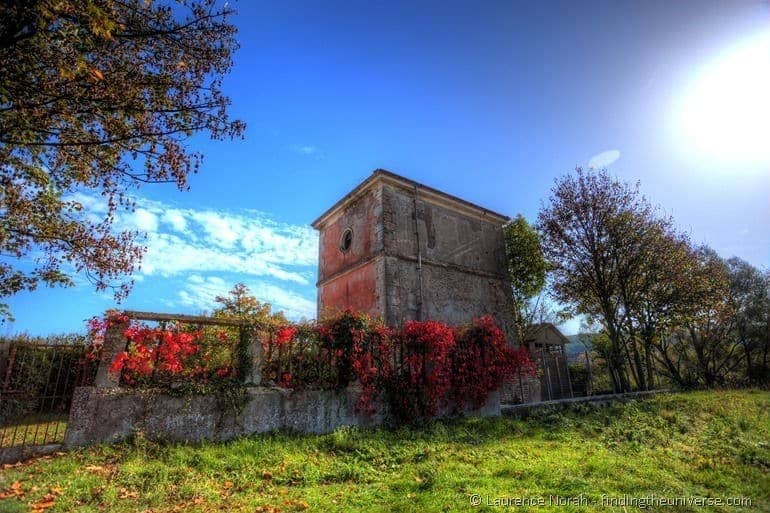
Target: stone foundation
(104, 415)
(526, 389)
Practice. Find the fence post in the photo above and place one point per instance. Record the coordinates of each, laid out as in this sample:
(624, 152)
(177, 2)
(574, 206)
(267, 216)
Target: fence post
(547, 374)
(5, 353)
(559, 386)
(114, 344)
(569, 375)
(254, 355)
(590, 385)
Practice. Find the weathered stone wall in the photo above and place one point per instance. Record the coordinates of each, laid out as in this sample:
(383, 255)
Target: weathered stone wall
(464, 274)
(524, 410)
(446, 235)
(109, 415)
(523, 389)
(451, 295)
(349, 279)
(100, 415)
(461, 248)
(356, 289)
(362, 216)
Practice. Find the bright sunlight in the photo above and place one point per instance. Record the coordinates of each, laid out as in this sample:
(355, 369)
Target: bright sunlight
(725, 114)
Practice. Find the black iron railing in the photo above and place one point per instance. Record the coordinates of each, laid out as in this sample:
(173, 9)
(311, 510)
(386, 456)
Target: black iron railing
(37, 381)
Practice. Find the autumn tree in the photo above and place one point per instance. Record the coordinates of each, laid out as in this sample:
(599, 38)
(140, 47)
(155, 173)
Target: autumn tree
(97, 97)
(709, 332)
(596, 231)
(527, 269)
(750, 301)
(660, 301)
(240, 304)
(667, 308)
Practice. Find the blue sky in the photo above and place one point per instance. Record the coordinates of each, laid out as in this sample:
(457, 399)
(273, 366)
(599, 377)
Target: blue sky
(489, 101)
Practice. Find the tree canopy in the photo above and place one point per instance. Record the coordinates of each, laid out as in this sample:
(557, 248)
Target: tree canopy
(527, 268)
(242, 305)
(97, 97)
(600, 235)
(667, 308)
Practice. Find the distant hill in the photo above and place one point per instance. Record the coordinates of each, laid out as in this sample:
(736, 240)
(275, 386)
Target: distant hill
(574, 347)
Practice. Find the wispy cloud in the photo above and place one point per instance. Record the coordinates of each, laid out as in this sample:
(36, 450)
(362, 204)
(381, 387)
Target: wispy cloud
(248, 242)
(603, 159)
(145, 220)
(199, 293)
(207, 251)
(176, 220)
(307, 150)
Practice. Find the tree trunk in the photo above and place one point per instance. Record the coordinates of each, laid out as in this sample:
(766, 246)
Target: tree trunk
(641, 382)
(648, 364)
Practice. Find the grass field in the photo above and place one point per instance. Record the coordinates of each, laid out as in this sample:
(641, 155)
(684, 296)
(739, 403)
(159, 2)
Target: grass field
(695, 445)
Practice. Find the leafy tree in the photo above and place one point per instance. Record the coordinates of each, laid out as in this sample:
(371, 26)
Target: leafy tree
(750, 301)
(710, 329)
(662, 301)
(713, 342)
(527, 268)
(240, 304)
(666, 307)
(96, 97)
(596, 231)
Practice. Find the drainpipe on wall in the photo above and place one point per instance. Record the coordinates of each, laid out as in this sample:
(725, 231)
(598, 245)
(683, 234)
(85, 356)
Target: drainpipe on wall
(419, 256)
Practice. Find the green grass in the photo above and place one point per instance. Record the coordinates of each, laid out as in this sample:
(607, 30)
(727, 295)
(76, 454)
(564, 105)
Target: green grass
(705, 444)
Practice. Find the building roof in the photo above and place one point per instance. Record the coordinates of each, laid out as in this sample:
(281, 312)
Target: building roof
(539, 329)
(428, 193)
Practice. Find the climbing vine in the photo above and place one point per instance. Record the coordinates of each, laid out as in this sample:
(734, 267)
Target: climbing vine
(416, 372)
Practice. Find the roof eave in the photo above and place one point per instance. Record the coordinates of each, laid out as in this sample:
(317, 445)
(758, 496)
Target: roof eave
(385, 175)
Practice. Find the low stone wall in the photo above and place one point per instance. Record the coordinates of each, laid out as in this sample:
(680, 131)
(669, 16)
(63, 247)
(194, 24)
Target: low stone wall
(23, 452)
(523, 410)
(522, 389)
(100, 415)
(108, 413)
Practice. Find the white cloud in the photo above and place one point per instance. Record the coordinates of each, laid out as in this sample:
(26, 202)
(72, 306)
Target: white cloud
(603, 159)
(201, 246)
(176, 219)
(144, 220)
(169, 254)
(90, 204)
(199, 293)
(221, 229)
(305, 149)
(249, 242)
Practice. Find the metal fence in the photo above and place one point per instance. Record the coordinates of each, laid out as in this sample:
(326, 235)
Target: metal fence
(581, 375)
(38, 378)
(37, 381)
(312, 361)
(215, 342)
(555, 378)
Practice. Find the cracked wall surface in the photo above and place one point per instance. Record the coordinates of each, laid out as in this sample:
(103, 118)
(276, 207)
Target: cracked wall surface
(463, 263)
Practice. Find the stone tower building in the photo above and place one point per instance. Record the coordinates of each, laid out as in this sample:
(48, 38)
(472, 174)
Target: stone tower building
(401, 250)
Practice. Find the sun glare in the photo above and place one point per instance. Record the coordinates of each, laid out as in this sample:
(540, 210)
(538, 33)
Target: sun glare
(725, 115)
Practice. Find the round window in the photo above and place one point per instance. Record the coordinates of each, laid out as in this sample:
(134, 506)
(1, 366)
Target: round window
(346, 240)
